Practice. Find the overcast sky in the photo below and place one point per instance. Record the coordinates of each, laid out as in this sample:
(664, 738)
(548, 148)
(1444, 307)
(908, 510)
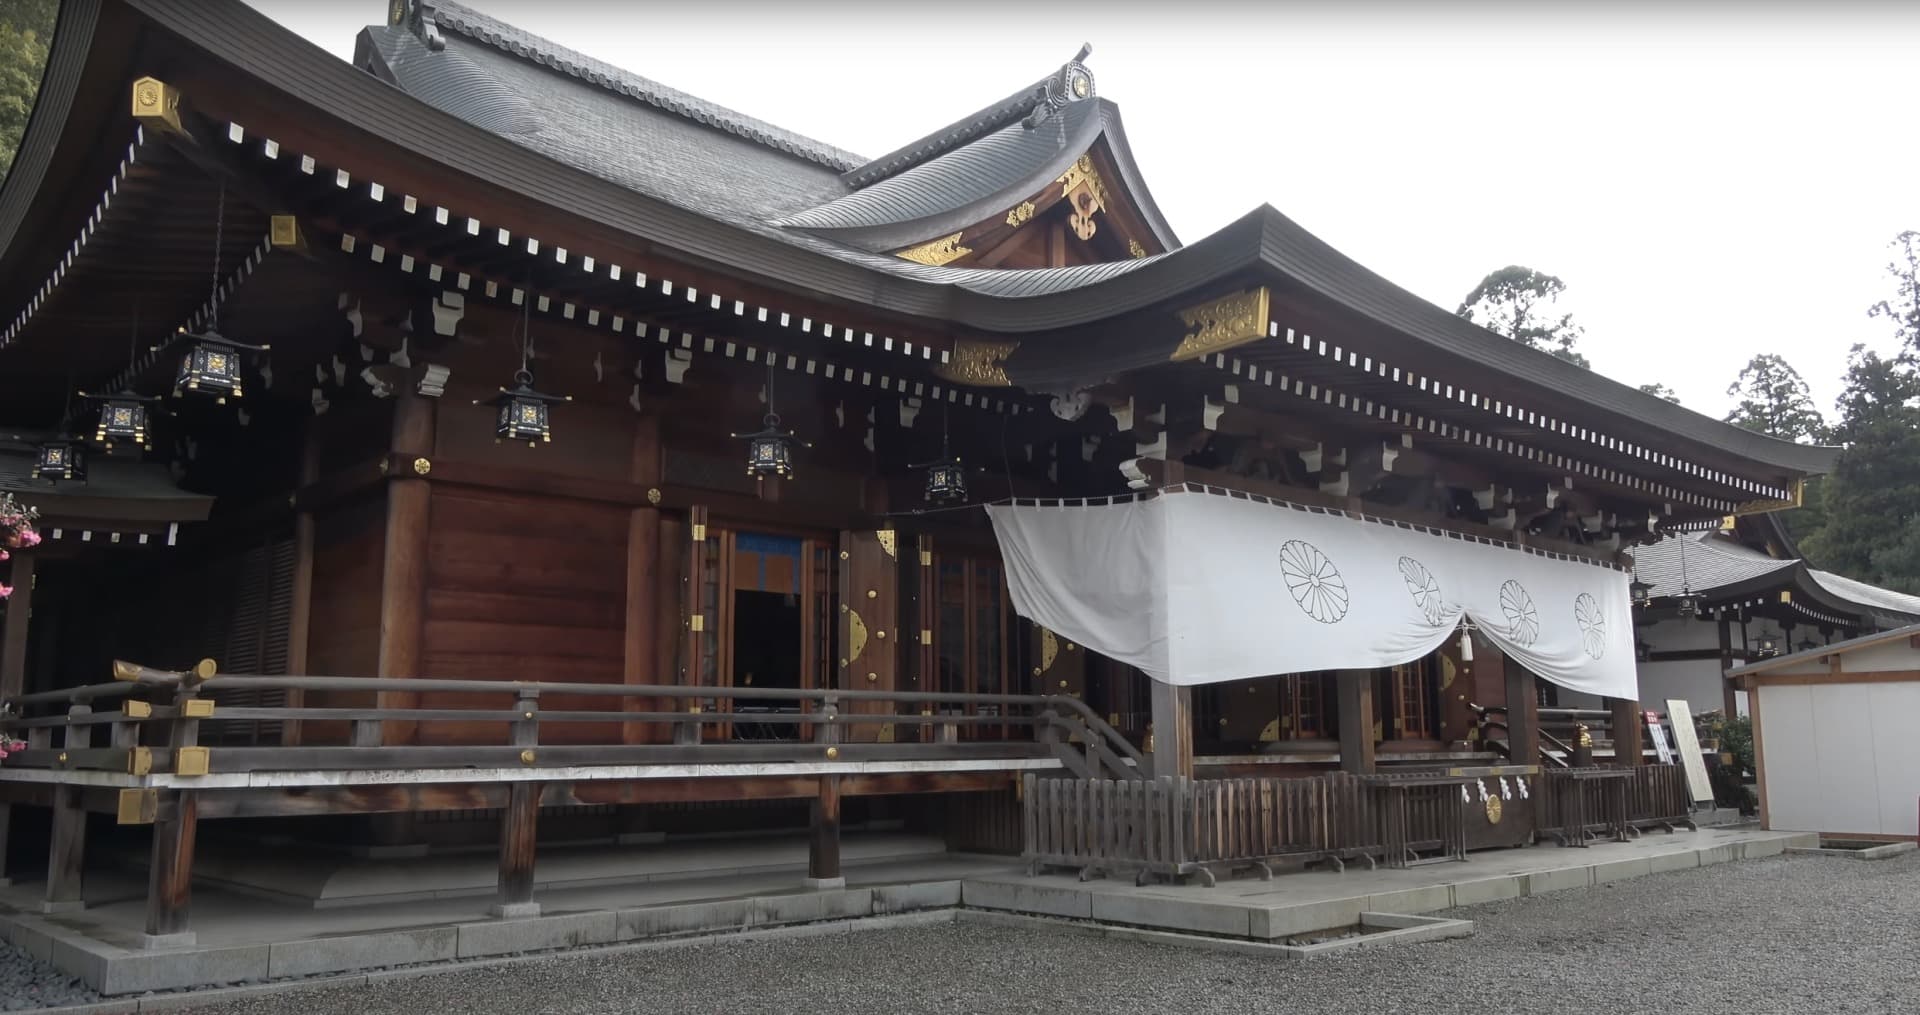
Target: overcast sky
(1712, 181)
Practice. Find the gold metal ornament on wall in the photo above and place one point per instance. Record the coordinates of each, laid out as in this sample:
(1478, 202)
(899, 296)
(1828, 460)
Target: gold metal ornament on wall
(889, 541)
(1494, 808)
(1223, 324)
(856, 634)
(1049, 649)
(935, 253)
(982, 364)
(1020, 214)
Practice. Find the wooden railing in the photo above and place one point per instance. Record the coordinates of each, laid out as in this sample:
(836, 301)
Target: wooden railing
(1174, 826)
(1580, 803)
(155, 728)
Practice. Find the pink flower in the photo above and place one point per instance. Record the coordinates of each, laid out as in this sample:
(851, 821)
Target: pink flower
(5, 591)
(29, 537)
(3, 555)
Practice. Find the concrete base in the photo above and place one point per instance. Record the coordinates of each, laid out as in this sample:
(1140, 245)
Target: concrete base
(241, 937)
(53, 908)
(1891, 849)
(819, 884)
(640, 838)
(515, 910)
(184, 939)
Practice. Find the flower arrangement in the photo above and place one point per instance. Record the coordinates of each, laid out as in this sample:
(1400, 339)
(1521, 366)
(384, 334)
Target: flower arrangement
(17, 531)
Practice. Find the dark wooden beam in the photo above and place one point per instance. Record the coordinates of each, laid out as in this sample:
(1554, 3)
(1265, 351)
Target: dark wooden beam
(1626, 731)
(1357, 711)
(170, 875)
(1172, 731)
(518, 826)
(643, 563)
(1523, 714)
(403, 576)
(823, 852)
(66, 853)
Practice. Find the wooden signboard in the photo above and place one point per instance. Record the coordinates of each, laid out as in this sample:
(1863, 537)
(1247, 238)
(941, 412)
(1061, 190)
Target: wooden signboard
(1688, 745)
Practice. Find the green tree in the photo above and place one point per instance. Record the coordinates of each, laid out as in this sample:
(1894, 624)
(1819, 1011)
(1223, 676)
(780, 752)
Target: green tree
(1774, 400)
(1517, 302)
(1872, 500)
(1659, 390)
(26, 29)
(1904, 309)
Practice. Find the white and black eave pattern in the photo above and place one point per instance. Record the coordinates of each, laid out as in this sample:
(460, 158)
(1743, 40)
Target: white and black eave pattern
(94, 218)
(1315, 392)
(681, 345)
(64, 534)
(588, 264)
(196, 321)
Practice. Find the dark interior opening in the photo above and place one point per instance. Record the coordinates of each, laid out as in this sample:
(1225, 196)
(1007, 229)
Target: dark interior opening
(766, 653)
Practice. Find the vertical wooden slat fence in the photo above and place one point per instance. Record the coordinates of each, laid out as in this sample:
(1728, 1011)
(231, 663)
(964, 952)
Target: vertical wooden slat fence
(1581, 803)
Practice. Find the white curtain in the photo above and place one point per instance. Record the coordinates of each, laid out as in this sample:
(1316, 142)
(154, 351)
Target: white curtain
(1197, 587)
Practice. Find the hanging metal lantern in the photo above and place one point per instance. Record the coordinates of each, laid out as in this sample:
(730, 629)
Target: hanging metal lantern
(770, 449)
(212, 367)
(60, 460)
(1688, 604)
(123, 417)
(1769, 645)
(523, 412)
(1642, 592)
(946, 481)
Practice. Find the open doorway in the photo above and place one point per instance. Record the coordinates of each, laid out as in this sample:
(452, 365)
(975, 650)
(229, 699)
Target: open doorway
(766, 653)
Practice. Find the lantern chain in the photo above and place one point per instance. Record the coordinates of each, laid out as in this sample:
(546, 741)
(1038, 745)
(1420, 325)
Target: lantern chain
(219, 237)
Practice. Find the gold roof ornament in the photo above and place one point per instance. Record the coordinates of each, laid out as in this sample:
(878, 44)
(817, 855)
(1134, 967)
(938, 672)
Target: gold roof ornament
(935, 253)
(1020, 214)
(1223, 324)
(979, 363)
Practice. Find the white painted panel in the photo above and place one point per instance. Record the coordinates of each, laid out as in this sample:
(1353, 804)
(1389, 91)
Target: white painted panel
(1787, 743)
(1896, 710)
(1849, 796)
(1892, 655)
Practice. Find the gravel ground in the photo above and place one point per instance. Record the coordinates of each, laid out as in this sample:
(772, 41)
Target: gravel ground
(27, 983)
(1790, 934)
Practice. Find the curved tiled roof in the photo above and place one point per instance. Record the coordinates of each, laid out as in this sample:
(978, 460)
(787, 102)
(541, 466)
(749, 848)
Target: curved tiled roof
(450, 80)
(475, 25)
(1713, 564)
(1006, 160)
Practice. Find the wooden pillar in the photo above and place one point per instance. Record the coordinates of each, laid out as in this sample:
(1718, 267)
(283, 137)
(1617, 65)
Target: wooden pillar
(170, 875)
(643, 566)
(300, 613)
(403, 575)
(66, 853)
(1626, 731)
(13, 640)
(13, 664)
(518, 826)
(1523, 715)
(1728, 701)
(1356, 721)
(1172, 729)
(823, 853)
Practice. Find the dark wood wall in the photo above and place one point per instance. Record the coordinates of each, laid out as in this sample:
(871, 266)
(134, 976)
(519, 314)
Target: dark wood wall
(524, 587)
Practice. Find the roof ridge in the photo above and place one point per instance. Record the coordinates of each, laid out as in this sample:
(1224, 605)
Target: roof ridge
(1072, 82)
(519, 42)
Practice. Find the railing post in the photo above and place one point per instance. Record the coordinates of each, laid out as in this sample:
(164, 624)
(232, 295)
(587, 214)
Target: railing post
(67, 852)
(170, 874)
(170, 868)
(1626, 731)
(519, 822)
(823, 851)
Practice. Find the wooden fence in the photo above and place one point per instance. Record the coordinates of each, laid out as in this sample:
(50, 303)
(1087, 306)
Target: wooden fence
(1580, 803)
(1174, 826)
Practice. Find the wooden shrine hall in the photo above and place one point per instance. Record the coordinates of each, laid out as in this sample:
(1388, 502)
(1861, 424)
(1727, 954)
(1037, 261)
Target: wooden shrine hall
(544, 453)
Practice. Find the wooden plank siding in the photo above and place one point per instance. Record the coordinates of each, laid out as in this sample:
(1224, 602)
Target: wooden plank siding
(523, 587)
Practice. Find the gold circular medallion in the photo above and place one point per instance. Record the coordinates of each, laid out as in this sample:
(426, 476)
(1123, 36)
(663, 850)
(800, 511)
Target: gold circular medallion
(1493, 810)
